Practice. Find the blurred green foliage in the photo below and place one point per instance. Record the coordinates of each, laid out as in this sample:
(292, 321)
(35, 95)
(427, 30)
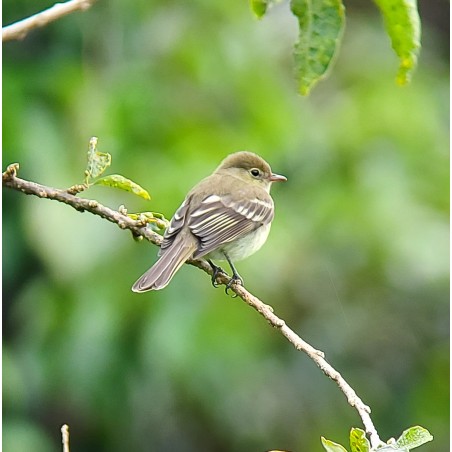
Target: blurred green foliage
(357, 261)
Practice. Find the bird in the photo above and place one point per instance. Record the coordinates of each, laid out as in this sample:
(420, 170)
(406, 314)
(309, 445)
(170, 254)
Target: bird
(226, 216)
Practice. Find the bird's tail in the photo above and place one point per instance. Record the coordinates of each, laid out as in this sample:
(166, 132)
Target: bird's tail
(161, 273)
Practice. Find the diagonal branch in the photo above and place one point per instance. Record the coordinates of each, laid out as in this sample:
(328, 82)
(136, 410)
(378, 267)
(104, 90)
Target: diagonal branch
(20, 29)
(137, 227)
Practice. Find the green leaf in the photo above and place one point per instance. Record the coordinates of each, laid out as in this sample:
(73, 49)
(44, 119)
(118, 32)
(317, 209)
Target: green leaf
(414, 437)
(321, 23)
(358, 440)
(259, 7)
(98, 162)
(403, 25)
(118, 181)
(330, 446)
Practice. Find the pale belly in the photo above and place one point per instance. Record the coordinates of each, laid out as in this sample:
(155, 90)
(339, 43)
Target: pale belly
(242, 247)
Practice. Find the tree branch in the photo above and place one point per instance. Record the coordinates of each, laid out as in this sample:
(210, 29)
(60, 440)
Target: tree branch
(20, 29)
(137, 227)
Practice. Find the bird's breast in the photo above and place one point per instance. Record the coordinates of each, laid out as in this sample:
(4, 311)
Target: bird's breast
(244, 246)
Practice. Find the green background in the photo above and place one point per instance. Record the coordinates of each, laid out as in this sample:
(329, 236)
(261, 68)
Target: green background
(357, 261)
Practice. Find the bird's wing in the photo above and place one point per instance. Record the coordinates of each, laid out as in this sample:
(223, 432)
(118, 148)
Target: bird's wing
(175, 225)
(219, 220)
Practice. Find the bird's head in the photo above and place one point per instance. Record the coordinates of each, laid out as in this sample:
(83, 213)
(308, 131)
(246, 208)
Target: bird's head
(250, 168)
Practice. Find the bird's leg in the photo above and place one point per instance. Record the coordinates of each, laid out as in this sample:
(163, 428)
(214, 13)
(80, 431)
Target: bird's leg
(236, 278)
(215, 271)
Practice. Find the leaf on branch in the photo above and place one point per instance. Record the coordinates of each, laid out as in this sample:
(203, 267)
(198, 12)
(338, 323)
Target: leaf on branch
(98, 162)
(330, 446)
(321, 23)
(358, 441)
(414, 437)
(118, 181)
(403, 26)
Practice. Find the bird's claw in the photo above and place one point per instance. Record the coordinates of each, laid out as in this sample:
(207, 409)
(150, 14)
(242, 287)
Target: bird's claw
(215, 272)
(236, 279)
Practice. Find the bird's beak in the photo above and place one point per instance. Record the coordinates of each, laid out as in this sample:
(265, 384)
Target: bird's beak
(277, 178)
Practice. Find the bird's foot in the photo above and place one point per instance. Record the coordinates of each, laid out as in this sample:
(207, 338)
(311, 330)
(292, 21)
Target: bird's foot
(236, 279)
(216, 270)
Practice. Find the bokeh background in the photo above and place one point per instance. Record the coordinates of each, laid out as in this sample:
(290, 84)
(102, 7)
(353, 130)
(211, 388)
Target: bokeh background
(357, 262)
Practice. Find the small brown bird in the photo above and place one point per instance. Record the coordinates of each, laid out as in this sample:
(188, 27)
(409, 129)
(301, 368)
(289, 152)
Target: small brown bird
(226, 216)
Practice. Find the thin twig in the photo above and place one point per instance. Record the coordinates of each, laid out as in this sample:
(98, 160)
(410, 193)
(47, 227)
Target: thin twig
(65, 437)
(19, 30)
(81, 204)
(11, 180)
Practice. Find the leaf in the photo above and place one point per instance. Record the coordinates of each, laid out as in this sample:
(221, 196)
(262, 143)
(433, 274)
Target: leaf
(403, 26)
(259, 7)
(330, 446)
(118, 181)
(358, 440)
(414, 437)
(98, 162)
(321, 23)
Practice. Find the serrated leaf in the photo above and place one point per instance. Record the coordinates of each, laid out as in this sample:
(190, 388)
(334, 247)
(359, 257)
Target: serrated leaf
(321, 23)
(358, 441)
(414, 437)
(331, 446)
(98, 162)
(259, 7)
(118, 181)
(403, 26)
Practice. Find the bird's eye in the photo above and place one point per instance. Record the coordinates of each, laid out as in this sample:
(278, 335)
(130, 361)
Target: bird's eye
(255, 172)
